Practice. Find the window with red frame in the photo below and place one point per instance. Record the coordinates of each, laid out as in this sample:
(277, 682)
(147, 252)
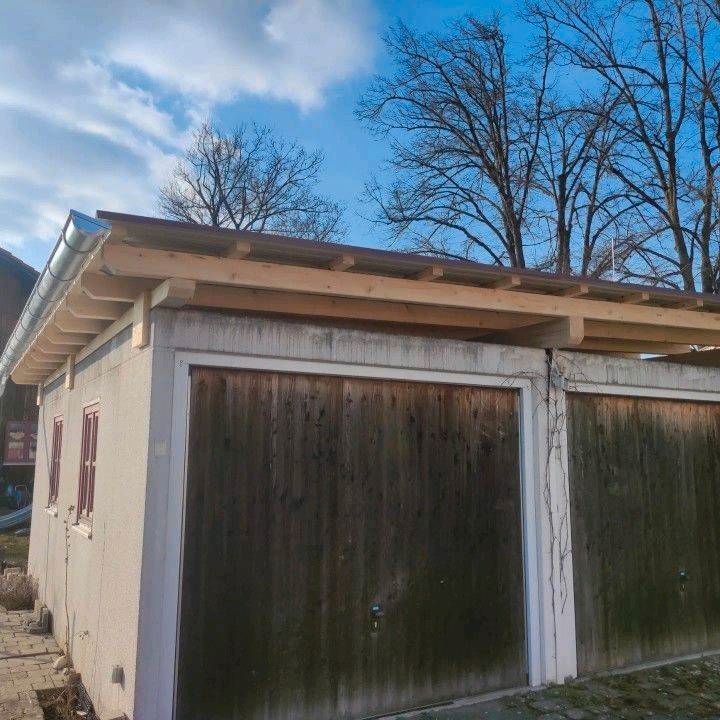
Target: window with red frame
(55, 453)
(88, 452)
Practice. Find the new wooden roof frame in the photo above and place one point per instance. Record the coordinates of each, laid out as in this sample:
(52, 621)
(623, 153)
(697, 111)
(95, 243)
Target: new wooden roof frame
(147, 262)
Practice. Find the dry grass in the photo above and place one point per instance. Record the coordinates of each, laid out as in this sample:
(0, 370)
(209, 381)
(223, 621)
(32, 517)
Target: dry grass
(68, 703)
(17, 591)
(59, 704)
(14, 548)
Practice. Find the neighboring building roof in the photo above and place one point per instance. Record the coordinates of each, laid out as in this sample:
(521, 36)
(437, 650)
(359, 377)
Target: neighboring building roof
(146, 262)
(17, 264)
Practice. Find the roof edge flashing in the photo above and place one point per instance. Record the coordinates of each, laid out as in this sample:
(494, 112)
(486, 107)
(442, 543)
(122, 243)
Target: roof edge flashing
(80, 236)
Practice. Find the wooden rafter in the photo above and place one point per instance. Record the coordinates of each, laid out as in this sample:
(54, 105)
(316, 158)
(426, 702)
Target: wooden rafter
(241, 249)
(575, 290)
(690, 304)
(302, 304)
(66, 322)
(636, 298)
(87, 309)
(145, 262)
(98, 286)
(54, 335)
(633, 346)
(558, 333)
(173, 292)
(506, 283)
(342, 263)
(431, 274)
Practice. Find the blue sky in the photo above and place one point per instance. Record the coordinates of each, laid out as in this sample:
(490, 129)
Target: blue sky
(96, 106)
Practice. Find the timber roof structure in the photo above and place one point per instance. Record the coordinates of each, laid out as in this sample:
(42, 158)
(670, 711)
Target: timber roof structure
(146, 262)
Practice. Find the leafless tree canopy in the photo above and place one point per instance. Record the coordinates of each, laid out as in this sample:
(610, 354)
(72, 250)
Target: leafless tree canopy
(250, 180)
(465, 130)
(662, 60)
(598, 147)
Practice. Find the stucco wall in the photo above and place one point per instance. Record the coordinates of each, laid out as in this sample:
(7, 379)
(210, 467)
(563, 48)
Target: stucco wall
(123, 587)
(214, 338)
(104, 570)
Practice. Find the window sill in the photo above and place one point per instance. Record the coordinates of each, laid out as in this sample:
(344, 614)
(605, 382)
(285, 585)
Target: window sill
(82, 528)
(52, 510)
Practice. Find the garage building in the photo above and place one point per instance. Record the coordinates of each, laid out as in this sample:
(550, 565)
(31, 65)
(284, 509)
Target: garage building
(304, 480)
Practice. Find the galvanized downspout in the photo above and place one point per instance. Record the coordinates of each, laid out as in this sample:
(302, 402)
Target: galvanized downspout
(79, 237)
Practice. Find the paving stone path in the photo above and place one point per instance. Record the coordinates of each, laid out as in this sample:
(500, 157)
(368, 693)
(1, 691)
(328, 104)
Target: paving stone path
(25, 667)
(683, 691)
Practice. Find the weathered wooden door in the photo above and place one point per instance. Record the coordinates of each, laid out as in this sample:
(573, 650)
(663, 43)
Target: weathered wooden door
(645, 495)
(352, 546)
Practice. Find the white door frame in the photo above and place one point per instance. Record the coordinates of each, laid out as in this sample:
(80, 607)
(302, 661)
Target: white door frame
(659, 393)
(172, 570)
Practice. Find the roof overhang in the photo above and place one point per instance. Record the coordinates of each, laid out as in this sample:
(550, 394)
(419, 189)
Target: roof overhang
(146, 262)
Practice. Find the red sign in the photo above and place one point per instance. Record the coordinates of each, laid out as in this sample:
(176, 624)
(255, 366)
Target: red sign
(20, 442)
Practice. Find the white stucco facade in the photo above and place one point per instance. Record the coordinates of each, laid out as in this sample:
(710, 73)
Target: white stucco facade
(104, 569)
(123, 594)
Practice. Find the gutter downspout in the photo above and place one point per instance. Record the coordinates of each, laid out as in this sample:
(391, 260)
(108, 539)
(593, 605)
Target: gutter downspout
(80, 236)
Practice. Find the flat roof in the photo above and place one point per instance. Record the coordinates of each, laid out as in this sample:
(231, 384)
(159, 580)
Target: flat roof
(149, 262)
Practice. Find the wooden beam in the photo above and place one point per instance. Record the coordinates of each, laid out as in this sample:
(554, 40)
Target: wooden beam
(690, 304)
(431, 274)
(558, 333)
(141, 321)
(41, 356)
(109, 332)
(66, 322)
(70, 373)
(632, 346)
(21, 376)
(54, 335)
(575, 290)
(637, 298)
(301, 304)
(49, 349)
(241, 249)
(651, 333)
(84, 307)
(699, 358)
(505, 283)
(99, 286)
(36, 363)
(342, 263)
(174, 292)
(145, 262)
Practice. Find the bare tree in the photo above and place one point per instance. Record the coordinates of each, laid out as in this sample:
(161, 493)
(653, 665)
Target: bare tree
(487, 162)
(465, 130)
(650, 54)
(581, 212)
(705, 185)
(250, 180)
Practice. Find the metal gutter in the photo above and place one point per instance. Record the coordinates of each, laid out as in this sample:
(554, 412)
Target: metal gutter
(80, 236)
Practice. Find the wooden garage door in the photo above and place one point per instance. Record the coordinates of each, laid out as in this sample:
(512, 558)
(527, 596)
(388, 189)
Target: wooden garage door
(351, 547)
(645, 490)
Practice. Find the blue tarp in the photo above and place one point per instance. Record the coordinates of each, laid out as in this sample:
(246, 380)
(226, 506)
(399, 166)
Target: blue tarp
(15, 519)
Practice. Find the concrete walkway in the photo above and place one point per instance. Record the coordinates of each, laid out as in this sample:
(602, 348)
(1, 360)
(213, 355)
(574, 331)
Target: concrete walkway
(25, 667)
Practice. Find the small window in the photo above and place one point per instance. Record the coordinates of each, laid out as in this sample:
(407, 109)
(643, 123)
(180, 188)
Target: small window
(55, 453)
(88, 452)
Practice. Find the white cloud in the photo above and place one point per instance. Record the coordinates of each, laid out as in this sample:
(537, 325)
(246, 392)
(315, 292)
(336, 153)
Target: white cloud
(96, 102)
(286, 49)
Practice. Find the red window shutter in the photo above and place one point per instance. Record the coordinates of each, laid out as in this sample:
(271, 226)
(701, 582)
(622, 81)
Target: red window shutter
(88, 454)
(55, 454)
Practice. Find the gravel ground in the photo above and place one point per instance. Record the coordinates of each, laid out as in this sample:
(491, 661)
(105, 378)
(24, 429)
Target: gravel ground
(683, 691)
